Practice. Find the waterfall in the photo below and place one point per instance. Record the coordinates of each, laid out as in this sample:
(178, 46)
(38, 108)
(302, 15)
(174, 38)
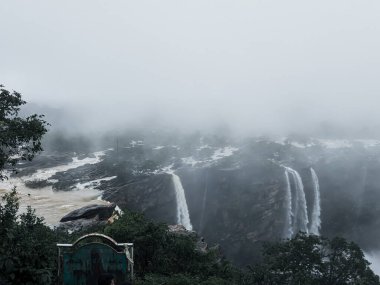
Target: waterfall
(300, 216)
(288, 224)
(183, 217)
(203, 204)
(315, 224)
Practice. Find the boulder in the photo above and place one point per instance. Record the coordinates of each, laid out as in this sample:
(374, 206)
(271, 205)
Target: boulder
(81, 224)
(102, 212)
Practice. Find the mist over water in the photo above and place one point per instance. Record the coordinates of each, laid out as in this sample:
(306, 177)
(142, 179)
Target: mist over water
(296, 80)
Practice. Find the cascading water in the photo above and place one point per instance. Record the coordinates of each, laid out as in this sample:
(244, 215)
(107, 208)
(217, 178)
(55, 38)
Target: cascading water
(203, 205)
(288, 233)
(299, 207)
(183, 217)
(315, 224)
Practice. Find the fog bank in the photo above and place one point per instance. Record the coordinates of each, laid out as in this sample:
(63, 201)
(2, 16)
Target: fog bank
(257, 66)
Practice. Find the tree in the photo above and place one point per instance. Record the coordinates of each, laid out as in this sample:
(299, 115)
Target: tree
(20, 138)
(313, 260)
(162, 257)
(27, 245)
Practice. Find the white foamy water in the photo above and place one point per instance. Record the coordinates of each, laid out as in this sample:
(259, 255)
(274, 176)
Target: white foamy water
(224, 152)
(93, 183)
(46, 173)
(53, 205)
(191, 161)
(183, 217)
(300, 215)
(315, 224)
(289, 214)
(218, 154)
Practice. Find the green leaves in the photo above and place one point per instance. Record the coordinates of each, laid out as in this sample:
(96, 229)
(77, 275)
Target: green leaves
(308, 259)
(27, 246)
(20, 138)
(159, 254)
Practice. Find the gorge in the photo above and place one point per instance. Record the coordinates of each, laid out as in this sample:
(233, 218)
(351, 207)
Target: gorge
(235, 194)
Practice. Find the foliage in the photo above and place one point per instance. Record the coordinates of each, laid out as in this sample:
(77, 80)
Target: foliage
(312, 260)
(159, 252)
(180, 279)
(28, 255)
(20, 138)
(27, 246)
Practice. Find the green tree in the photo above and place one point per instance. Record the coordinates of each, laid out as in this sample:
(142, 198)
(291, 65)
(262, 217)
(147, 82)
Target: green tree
(312, 260)
(20, 138)
(162, 256)
(27, 245)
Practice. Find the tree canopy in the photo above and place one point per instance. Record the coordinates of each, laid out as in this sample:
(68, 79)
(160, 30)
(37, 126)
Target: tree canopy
(28, 255)
(20, 137)
(27, 245)
(309, 259)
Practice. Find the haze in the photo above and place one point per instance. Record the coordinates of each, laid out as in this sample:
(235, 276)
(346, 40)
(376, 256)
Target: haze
(256, 66)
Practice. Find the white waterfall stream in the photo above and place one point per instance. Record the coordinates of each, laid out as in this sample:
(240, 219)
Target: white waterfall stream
(288, 233)
(315, 224)
(300, 219)
(183, 217)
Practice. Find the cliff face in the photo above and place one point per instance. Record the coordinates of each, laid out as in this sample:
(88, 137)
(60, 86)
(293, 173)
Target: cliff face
(350, 191)
(154, 196)
(240, 201)
(238, 207)
(237, 196)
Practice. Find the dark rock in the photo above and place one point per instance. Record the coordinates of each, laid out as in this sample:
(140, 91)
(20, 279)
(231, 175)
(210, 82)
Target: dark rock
(100, 212)
(180, 230)
(238, 208)
(37, 184)
(45, 160)
(68, 179)
(200, 244)
(81, 224)
(239, 201)
(154, 196)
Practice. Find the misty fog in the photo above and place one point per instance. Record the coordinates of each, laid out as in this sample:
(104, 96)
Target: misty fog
(257, 66)
(290, 68)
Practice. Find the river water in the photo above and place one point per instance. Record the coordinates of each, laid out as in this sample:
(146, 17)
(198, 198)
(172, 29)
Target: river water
(50, 204)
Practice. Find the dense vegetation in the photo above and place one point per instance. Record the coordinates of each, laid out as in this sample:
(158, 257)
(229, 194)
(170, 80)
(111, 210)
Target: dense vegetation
(28, 255)
(20, 138)
(28, 247)
(308, 259)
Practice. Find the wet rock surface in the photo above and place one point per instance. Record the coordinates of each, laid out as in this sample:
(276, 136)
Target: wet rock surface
(81, 224)
(87, 217)
(102, 212)
(45, 160)
(200, 243)
(154, 196)
(238, 201)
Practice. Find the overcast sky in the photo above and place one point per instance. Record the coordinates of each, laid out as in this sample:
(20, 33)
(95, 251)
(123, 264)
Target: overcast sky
(262, 66)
